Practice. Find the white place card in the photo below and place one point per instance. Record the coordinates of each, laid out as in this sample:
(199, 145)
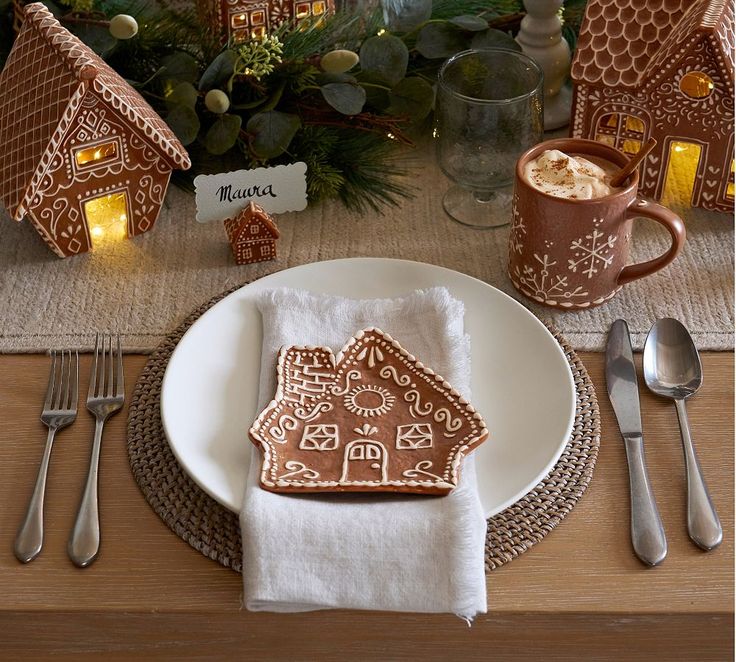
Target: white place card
(277, 190)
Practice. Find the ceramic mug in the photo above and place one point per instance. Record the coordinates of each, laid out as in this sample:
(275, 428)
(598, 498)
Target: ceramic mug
(573, 253)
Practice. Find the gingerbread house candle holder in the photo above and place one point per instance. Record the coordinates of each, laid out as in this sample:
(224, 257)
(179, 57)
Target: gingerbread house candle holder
(252, 234)
(82, 155)
(665, 70)
(239, 20)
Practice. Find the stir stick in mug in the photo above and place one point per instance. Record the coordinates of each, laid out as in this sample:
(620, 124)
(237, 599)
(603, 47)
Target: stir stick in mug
(619, 178)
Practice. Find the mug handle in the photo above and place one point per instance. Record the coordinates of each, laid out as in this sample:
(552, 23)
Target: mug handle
(674, 226)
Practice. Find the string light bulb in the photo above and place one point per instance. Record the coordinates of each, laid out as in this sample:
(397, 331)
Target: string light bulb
(107, 218)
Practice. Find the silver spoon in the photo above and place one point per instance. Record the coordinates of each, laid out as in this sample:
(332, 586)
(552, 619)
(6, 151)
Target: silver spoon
(672, 369)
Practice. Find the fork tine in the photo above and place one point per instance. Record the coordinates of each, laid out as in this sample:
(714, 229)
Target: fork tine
(61, 390)
(120, 391)
(64, 404)
(110, 368)
(73, 395)
(52, 379)
(93, 375)
(101, 377)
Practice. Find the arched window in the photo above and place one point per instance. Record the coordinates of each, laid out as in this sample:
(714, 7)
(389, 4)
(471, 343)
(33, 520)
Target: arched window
(622, 131)
(696, 85)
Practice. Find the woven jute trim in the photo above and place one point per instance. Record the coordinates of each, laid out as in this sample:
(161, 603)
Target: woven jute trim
(214, 530)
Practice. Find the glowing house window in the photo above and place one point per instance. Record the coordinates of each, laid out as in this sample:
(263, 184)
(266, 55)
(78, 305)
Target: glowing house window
(696, 85)
(258, 18)
(622, 131)
(301, 10)
(248, 24)
(91, 156)
(683, 164)
(730, 186)
(238, 21)
(107, 217)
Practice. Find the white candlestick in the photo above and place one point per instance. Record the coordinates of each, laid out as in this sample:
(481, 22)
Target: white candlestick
(540, 37)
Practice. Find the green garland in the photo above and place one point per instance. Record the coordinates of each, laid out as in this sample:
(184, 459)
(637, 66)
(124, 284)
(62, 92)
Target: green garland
(298, 94)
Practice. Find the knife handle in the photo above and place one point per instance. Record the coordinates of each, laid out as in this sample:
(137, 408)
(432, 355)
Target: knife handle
(647, 532)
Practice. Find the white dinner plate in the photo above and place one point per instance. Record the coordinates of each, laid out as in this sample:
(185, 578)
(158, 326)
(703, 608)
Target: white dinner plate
(521, 381)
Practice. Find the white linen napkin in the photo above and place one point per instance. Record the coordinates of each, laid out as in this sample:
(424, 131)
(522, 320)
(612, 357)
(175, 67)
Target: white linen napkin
(383, 552)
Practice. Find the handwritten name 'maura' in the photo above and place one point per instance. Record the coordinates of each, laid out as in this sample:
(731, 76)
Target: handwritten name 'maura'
(227, 194)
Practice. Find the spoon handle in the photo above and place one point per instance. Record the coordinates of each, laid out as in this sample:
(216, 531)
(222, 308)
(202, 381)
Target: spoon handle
(703, 524)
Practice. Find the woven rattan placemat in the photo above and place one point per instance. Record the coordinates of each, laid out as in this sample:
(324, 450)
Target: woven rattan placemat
(214, 530)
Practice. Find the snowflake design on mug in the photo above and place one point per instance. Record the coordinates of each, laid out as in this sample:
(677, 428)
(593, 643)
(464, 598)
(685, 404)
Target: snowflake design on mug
(543, 285)
(518, 228)
(591, 254)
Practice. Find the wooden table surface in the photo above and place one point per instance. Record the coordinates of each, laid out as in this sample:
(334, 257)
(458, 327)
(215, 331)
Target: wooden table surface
(579, 594)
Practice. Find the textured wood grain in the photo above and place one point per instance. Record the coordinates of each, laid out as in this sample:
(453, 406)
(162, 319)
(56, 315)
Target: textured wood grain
(579, 590)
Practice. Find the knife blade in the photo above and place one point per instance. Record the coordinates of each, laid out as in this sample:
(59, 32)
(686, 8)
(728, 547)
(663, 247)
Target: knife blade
(647, 532)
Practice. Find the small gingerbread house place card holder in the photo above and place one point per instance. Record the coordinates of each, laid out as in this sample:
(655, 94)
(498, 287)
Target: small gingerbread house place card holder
(252, 234)
(647, 68)
(82, 155)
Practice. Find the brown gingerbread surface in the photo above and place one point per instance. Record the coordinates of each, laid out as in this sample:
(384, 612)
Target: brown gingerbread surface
(372, 418)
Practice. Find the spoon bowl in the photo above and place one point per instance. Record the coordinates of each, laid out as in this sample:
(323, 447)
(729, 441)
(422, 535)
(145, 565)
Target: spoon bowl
(671, 362)
(673, 370)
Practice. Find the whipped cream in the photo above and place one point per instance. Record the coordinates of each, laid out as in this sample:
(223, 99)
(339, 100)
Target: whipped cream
(573, 177)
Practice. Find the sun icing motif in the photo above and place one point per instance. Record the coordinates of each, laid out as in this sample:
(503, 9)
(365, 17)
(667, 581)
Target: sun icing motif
(369, 400)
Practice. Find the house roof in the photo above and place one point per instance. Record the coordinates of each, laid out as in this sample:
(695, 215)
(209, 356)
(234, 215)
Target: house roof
(628, 43)
(250, 214)
(44, 79)
(710, 20)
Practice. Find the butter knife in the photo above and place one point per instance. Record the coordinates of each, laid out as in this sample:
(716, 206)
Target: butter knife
(647, 532)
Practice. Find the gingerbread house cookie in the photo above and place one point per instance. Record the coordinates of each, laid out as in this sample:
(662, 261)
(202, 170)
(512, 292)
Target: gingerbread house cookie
(372, 418)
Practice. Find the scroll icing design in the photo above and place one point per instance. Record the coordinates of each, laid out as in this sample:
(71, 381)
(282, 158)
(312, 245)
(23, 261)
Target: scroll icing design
(452, 425)
(285, 424)
(416, 409)
(352, 375)
(298, 469)
(302, 414)
(389, 372)
(420, 470)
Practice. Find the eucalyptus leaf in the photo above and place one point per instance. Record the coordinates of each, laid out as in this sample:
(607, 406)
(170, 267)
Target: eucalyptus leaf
(493, 38)
(440, 40)
(469, 23)
(184, 123)
(345, 98)
(376, 91)
(272, 132)
(180, 66)
(97, 37)
(327, 78)
(223, 134)
(219, 71)
(184, 94)
(385, 56)
(413, 97)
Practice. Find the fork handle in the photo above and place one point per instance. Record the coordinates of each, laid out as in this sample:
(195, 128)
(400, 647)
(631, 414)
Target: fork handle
(84, 541)
(29, 540)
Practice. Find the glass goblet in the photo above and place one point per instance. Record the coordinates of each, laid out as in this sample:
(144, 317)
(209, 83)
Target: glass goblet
(489, 111)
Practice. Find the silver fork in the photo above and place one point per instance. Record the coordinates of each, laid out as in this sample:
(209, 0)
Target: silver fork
(104, 398)
(59, 410)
